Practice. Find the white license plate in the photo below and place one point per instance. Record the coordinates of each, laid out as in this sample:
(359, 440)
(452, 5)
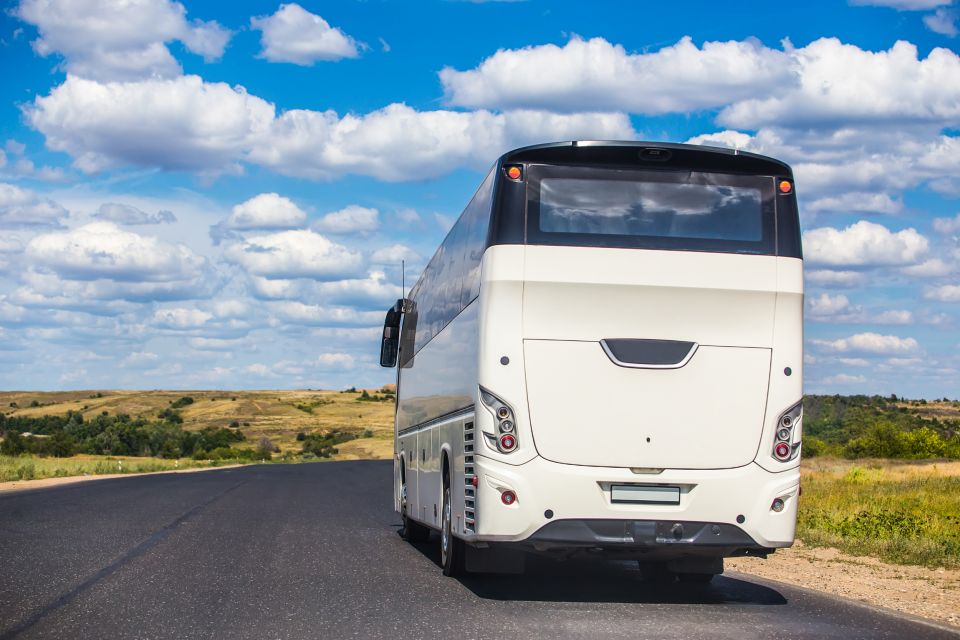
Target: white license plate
(644, 494)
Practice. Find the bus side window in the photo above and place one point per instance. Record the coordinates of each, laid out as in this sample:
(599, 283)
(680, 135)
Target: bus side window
(477, 219)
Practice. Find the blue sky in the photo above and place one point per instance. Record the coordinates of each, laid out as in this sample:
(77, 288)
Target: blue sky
(217, 195)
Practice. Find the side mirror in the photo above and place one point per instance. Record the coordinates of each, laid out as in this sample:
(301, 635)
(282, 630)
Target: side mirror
(390, 345)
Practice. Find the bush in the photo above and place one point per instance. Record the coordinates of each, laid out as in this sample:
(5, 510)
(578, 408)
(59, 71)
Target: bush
(182, 402)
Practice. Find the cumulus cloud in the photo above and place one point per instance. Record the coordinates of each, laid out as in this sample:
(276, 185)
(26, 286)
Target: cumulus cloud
(130, 215)
(295, 254)
(293, 34)
(267, 211)
(394, 254)
(856, 202)
(838, 309)
(180, 318)
(863, 244)
(869, 343)
(399, 143)
(119, 39)
(188, 124)
(351, 219)
(103, 250)
(182, 123)
(23, 208)
(945, 293)
(311, 314)
(947, 225)
(942, 21)
(844, 378)
(838, 82)
(933, 268)
(826, 81)
(595, 75)
(335, 361)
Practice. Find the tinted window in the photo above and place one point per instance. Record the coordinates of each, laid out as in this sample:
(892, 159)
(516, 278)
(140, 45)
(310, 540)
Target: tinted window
(681, 210)
(477, 218)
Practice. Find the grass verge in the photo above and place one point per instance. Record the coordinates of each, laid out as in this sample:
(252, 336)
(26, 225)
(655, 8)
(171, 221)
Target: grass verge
(901, 512)
(29, 467)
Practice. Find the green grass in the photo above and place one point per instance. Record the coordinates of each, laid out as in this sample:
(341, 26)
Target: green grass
(29, 467)
(896, 511)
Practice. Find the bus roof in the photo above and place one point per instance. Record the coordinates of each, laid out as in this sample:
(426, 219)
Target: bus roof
(666, 154)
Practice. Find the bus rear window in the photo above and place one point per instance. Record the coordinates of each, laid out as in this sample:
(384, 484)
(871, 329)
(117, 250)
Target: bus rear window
(651, 209)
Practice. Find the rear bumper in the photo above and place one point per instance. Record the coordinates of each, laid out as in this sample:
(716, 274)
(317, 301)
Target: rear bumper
(569, 505)
(648, 539)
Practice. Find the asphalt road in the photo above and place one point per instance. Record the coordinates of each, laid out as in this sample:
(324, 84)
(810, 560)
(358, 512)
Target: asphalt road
(312, 551)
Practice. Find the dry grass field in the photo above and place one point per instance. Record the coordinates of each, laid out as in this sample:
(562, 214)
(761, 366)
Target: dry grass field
(277, 415)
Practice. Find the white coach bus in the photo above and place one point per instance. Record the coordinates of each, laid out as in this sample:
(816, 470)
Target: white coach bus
(605, 356)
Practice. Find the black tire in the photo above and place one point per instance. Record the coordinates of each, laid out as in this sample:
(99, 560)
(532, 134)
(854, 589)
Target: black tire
(411, 531)
(695, 578)
(451, 547)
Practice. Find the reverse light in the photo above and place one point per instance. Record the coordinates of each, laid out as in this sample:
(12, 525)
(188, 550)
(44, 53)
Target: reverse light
(777, 505)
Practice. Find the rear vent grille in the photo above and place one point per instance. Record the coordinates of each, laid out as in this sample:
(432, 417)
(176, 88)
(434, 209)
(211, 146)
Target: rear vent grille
(469, 473)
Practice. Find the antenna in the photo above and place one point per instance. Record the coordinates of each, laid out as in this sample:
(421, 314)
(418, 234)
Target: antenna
(403, 278)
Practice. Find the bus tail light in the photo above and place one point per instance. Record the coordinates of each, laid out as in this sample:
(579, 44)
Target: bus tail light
(505, 439)
(508, 497)
(784, 447)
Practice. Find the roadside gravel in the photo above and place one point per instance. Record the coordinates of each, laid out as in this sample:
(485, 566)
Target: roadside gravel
(920, 591)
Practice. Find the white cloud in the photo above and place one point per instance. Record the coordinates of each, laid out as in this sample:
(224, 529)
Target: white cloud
(335, 361)
(945, 293)
(103, 250)
(933, 268)
(947, 225)
(311, 314)
(128, 214)
(180, 318)
(373, 291)
(187, 124)
(942, 21)
(825, 82)
(892, 316)
(856, 202)
(119, 39)
(394, 254)
(854, 362)
(293, 34)
(835, 279)
(267, 211)
(595, 75)
(180, 124)
(827, 305)
(139, 359)
(871, 343)
(863, 244)
(843, 378)
(399, 143)
(839, 82)
(350, 219)
(903, 5)
(294, 254)
(23, 208)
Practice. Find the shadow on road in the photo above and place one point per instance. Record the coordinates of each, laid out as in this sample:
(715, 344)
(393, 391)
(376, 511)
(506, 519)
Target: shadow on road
(601, 581)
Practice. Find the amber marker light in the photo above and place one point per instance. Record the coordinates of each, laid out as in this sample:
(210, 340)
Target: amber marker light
(514, 173)
(785, 186)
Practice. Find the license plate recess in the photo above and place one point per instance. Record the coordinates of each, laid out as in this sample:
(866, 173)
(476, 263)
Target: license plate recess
(644, 494)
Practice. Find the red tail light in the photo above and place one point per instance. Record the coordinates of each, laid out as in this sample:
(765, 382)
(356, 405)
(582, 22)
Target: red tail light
(507, 442)
(508, 497)
(782, 451)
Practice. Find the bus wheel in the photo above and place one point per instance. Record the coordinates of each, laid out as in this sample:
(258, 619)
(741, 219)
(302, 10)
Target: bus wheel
(411, 531)
(695, 578)
(451, 547)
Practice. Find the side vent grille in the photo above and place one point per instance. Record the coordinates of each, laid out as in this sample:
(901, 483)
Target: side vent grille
(469, 473)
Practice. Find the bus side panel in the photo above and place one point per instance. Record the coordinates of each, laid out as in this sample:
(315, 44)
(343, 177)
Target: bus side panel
(439, 380)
